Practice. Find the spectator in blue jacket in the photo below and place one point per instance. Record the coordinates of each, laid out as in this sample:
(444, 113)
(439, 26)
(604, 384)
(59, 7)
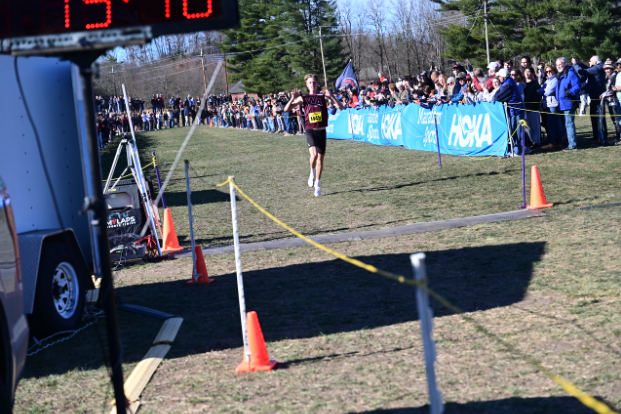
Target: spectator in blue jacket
(566, 94)
(458, 95)
(596, 85)
(510, 94)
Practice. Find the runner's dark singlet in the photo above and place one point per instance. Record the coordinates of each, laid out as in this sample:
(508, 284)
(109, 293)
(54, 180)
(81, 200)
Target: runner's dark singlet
(315, 111)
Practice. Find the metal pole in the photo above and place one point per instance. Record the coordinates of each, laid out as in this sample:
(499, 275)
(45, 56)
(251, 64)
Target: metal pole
(189, 192)
(114, 80)
(203, 63)
(113, 168)
(238, 268)
(97, 205)
(325, 77)
(139, 177)
(226, 76)
(437, 139)
(523, 167)
(486, 35)
(159, 181)
(425, 314)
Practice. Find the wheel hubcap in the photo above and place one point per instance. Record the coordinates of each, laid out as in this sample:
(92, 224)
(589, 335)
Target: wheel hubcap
(65, 290)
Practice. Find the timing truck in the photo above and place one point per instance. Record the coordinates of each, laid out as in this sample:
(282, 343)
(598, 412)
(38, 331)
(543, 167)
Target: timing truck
(44, 164)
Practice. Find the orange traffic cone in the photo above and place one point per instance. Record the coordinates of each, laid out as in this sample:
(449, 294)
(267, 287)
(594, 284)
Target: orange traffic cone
(171, 244)
(259, 360)
(200, 269)
(537, 196)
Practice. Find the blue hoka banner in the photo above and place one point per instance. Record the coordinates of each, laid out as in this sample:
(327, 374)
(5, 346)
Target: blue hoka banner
(379, 126)
(472, 130)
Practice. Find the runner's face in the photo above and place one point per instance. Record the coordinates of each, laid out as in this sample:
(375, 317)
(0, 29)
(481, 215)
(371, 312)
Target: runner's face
(312, 85)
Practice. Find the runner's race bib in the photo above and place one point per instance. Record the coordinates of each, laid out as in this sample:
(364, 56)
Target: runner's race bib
(314, 117)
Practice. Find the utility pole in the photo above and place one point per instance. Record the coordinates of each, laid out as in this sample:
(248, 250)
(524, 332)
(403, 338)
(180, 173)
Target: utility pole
(203, 63)
(114, 80)
(486, 35)
(325, 78)
(226, 75)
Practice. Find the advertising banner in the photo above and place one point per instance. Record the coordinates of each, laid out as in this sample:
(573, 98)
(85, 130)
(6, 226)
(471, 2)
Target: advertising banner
(472, 130)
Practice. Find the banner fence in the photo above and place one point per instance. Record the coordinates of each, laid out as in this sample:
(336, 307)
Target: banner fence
(469, 130)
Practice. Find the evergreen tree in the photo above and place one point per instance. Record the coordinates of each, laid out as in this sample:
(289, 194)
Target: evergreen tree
(277, 43)
(546, 29)
(305, 19)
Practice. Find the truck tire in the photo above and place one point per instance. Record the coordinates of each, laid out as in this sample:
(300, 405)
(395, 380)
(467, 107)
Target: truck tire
(60, 291)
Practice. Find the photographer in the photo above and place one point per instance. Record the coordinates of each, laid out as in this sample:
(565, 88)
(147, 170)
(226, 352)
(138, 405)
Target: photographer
(595, 86)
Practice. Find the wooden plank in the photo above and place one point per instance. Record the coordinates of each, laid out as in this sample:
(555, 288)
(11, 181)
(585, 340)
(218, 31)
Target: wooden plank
(142, 373)
(168, 332)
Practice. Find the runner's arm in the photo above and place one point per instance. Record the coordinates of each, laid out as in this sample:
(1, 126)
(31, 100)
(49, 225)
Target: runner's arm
(336, 102)
(295, 100)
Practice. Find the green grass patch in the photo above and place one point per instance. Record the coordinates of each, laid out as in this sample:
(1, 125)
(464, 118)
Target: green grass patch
(347, 340)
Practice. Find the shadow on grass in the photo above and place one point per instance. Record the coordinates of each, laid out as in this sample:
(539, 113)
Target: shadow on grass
(310, 299)
(540, 405)
(303, 300)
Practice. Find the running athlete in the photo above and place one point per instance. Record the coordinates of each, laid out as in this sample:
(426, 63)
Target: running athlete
(315, 123)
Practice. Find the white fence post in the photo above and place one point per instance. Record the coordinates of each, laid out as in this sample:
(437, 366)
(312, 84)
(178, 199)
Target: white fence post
(238, 268)
(425, 315)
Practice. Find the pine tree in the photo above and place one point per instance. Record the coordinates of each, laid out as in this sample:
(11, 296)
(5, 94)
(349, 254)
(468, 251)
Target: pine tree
(305, 19)
(545, 29)
(277, 43)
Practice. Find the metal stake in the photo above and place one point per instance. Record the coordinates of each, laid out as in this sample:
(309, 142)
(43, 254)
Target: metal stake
(159, 181)
(189, 192)
(425, 315)
(435, 119)
(238, 268)
(523, 166)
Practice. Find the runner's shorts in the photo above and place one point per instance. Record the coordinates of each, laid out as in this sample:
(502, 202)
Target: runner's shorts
(316, 138)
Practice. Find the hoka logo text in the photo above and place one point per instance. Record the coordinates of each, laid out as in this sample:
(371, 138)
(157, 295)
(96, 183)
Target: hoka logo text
(468, 130)
(391, 126)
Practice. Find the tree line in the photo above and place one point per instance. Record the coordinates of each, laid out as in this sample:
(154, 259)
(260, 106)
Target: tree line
(278, 42)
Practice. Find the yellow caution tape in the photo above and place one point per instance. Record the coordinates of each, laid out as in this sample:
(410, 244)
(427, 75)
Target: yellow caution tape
(571, 389)
(563, 114)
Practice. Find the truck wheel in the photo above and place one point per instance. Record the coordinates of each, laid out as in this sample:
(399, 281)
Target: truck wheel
(60, 292)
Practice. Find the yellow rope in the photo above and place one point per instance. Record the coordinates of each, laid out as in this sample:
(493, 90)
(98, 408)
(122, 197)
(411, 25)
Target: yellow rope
(571, 389)
(562, 114)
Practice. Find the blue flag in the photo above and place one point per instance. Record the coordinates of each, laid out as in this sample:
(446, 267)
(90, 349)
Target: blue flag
(347, 78)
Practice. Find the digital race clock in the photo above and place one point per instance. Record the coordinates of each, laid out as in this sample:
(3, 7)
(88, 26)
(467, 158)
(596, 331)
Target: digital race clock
(27, 18)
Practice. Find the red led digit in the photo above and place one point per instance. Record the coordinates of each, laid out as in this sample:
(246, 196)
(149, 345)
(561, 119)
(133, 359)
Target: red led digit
(67, 20)
(195, 15)
(108, 14)
(167, 7)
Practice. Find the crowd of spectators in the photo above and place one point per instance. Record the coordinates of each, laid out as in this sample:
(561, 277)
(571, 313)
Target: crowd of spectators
(547, 95)
(266, 114)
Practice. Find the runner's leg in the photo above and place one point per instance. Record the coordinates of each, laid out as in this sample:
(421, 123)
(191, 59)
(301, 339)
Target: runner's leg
(313, 164)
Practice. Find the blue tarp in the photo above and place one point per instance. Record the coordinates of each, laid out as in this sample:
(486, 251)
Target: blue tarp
(472, 130)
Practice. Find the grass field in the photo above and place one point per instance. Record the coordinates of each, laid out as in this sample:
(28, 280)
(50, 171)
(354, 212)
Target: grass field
(349, 341)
